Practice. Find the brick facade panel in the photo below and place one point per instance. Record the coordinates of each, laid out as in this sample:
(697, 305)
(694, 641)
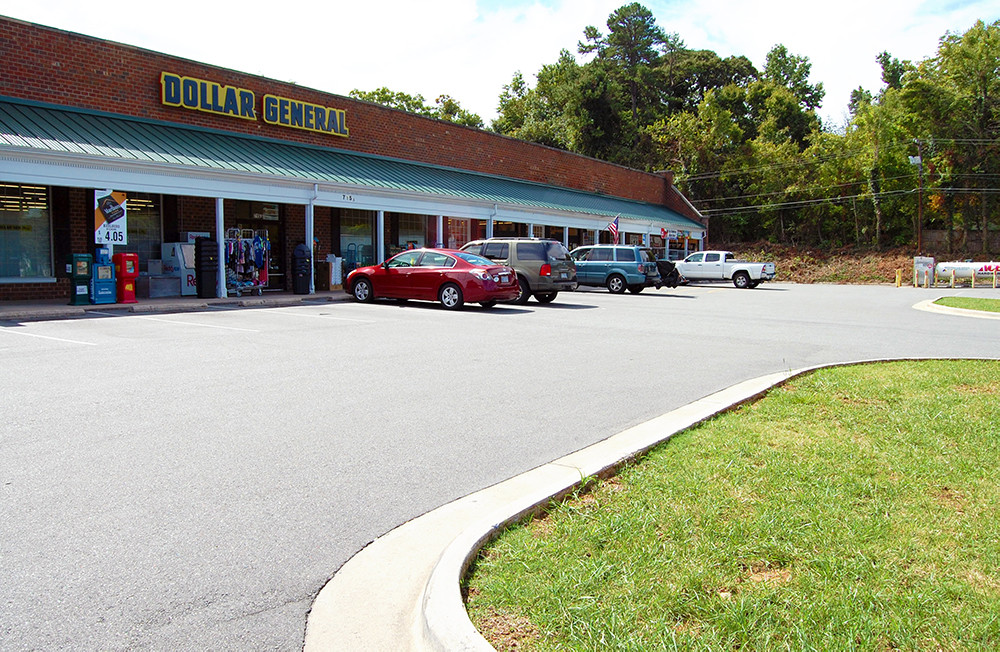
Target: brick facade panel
(54, 66)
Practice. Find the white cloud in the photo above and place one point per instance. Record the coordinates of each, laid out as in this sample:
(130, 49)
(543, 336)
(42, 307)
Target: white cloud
(469, 49)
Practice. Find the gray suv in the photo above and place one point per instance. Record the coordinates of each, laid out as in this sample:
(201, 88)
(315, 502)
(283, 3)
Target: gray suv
(544, 267)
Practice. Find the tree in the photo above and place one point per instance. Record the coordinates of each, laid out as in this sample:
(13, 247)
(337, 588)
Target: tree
(955, 97)
(892, 70)
(859, 97)
(447, 107)
(595, 117)
(542, 114)
(512, 109)
(696, 72)
(703, 147)
(792, 72)
(632, 46)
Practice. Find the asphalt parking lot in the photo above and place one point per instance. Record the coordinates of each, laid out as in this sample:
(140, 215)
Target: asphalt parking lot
(193, 479)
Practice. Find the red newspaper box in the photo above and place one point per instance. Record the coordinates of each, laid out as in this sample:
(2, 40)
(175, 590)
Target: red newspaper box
(126, 271)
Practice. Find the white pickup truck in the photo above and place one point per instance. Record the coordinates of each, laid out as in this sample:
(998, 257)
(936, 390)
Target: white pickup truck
(723, 266)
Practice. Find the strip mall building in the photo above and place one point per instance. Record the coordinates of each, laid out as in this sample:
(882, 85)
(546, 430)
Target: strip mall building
(196, 150)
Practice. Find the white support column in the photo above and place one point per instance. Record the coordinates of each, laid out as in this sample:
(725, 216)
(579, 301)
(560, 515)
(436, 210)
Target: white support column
(310, 242)
(220, 236)
(440, 232)
(531, 229)
(597, 236)
(489, 227)
(566, 237)
(379, 237)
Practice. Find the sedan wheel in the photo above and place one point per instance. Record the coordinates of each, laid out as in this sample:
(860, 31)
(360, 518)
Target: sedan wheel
(636, 289)
(450, 296)
(545, 297)
(616, 284)
(488, 304)
(363, 290)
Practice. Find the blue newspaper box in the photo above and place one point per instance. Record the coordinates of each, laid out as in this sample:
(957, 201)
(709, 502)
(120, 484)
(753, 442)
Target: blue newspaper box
(102, 279)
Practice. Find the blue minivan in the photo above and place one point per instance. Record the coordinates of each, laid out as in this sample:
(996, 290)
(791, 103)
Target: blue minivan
(616, 267)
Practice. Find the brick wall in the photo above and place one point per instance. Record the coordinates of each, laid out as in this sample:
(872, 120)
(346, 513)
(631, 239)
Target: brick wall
(54, 66)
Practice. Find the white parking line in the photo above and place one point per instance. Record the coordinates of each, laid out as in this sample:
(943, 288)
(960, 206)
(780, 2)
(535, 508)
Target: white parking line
(188, 323)
(286, 311)
(181, 323)
(46, 337)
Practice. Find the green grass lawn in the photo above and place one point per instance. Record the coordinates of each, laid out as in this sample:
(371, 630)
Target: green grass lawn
(970, 303)
(856, 508)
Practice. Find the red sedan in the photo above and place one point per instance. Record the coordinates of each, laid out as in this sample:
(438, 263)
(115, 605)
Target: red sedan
(451, 277)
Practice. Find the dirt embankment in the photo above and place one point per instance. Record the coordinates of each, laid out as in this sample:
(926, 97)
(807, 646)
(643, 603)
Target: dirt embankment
(813, 265)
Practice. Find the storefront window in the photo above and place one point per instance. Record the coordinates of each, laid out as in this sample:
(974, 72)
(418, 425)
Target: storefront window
(404, 231)
(457, 232)
(555, 233)
(25, 232)
(145, 227)
(412, 229)
(356, 244)
(506, 230)
(257, 211)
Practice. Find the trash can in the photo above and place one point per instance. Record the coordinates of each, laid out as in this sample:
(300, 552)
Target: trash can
(301, 269)
(79, 267)
(206, 267)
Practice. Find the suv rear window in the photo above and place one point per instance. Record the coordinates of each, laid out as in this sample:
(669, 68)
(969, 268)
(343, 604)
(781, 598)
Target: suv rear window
(556, 251)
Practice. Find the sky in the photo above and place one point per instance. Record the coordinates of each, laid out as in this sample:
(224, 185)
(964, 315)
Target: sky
(469, 49)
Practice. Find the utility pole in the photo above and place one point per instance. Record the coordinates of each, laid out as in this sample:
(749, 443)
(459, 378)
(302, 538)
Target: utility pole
(918, 160)
(920, 197)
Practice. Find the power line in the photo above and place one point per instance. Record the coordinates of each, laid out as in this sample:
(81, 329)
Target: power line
(800, 190)
(897, 145)
(735, 210)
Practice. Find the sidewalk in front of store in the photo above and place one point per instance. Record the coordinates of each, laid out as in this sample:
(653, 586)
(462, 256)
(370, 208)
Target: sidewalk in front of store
(43, 310)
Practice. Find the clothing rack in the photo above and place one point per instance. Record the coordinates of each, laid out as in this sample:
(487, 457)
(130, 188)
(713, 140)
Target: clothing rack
(247, 255)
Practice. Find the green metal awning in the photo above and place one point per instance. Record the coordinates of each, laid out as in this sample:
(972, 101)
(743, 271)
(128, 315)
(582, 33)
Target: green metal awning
(28, 127)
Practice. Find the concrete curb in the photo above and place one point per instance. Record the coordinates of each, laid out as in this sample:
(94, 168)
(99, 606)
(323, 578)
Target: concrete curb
(52, 311)
(402, 591)
(930, 306)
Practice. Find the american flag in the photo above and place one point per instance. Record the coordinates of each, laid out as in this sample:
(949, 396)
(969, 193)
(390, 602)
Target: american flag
(613, 227)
